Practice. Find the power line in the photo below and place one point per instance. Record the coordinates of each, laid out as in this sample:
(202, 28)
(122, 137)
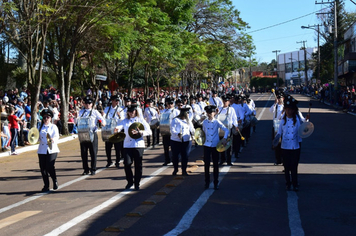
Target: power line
(283, 22)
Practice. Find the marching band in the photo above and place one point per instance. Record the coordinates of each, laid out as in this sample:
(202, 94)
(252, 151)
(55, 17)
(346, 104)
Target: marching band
(222, 126)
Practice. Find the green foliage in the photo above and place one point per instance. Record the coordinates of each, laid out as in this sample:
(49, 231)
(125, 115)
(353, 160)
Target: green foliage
(264, 82)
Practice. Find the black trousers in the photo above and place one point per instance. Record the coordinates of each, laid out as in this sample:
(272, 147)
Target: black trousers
(119, 151)
(226, 156)
(236, 144)
(93, 150)
(155, 137)
(133, 155)
(277, 150)
(166, 139)
(290, 163)
(182, 149)
(210, 153)
(47, 168)
(20, 135)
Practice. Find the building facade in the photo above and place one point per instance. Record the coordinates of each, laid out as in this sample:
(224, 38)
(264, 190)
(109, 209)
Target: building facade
(291, 66)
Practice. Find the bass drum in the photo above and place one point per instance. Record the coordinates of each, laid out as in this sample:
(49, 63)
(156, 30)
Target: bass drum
(108, 129)
(86, 129)
(165, 123)
(225, 120)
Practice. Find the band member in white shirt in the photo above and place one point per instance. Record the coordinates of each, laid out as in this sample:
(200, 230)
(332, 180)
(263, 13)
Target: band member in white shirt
(277, 110)
(232, 119)
(240, 114)
(114, 111)
(195, 107)
(92, 147)
(151, 116)
(211, 128)
(181, 139)
(290, 145)
(200, 102)
(133, 147)
(166, 139)
(215, 100)
(47, 154)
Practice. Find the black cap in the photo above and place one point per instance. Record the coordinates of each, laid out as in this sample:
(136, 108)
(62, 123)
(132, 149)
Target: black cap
(127, 99)
(290, 102)
(184, 109)
(132, 107)
(168, 100)
(210, 108)
(214, 91)
(179, 101)
(114, 98)
(149, 100)
(46, 112)
(199, 95)
(225, 98)
(184, 97)
(88, 100)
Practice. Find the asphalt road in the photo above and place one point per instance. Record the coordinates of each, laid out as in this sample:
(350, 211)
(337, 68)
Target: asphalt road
(252, 199)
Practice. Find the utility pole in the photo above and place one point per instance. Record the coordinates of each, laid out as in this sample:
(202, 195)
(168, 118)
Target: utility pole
(277, 51)
(335, 47)
(305, 62)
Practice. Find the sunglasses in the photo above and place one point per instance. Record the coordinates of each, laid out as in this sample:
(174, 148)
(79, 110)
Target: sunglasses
(46, 117)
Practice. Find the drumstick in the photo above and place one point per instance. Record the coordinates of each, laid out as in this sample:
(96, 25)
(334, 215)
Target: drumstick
(274, 94)
(242, 137)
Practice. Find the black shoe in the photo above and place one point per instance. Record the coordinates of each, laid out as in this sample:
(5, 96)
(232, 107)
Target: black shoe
(216, 187)
(117, 164)
(85, 173)
(221, 163)
(93, 172)
(229, 164)
(109, 164)
(288, 187)
(137, 187)
(185, 173)
(129, 185)
(45, 189)
(165, 163)
(175, 172)
(296, 189)
(55, 185)
(206, 186)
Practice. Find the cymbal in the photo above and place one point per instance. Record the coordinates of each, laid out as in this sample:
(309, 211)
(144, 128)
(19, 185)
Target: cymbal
(49, 141)
(222, 148)
(306, 129)
(117, 137)
(135, 126)
(33, 136)
(199, 136)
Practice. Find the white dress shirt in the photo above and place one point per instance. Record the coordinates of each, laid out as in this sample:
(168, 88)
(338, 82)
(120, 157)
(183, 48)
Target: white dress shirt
(240, 112)
(110, 113)
(276, 109)
(179, 126)
(216, 102)
(150, 114)
(230, 112)
(196, 109)
(130, 142)
(52, 130)
(95, 115)
(211, 129)
(289, 132)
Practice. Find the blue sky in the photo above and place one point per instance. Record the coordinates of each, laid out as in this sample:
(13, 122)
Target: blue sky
(260, 14)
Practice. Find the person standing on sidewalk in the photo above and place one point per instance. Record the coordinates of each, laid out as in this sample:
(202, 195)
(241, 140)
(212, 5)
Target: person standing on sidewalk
(13, 120)
(48, 149)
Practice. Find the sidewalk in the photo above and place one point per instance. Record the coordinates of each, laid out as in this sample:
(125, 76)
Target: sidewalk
(35, 147)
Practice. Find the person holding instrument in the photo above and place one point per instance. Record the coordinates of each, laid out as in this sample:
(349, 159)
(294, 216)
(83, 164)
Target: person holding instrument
(135, 128)
(48, 149)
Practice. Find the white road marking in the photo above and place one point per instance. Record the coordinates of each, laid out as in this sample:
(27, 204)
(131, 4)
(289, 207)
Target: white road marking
(189, 216)
(295, 224)
(16, 218)
(100, 207)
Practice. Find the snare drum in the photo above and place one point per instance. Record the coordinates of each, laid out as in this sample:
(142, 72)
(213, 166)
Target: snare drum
(86, 128)
(225, 120)
(108, 129)
(165, 123)
(154, 123)
(276, 123)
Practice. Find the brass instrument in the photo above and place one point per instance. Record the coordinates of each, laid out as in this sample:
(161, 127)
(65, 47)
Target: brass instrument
(138, 127)
(49, 141)
(199, 136)
(220, 147)
(117, 137)
(33, 136)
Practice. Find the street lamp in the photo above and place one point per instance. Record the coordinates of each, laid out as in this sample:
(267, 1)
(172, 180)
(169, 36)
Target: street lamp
(317, 30)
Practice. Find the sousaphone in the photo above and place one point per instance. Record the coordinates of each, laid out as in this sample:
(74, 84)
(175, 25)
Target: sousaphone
(33, 136)
(138, 127)
(199, 136)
